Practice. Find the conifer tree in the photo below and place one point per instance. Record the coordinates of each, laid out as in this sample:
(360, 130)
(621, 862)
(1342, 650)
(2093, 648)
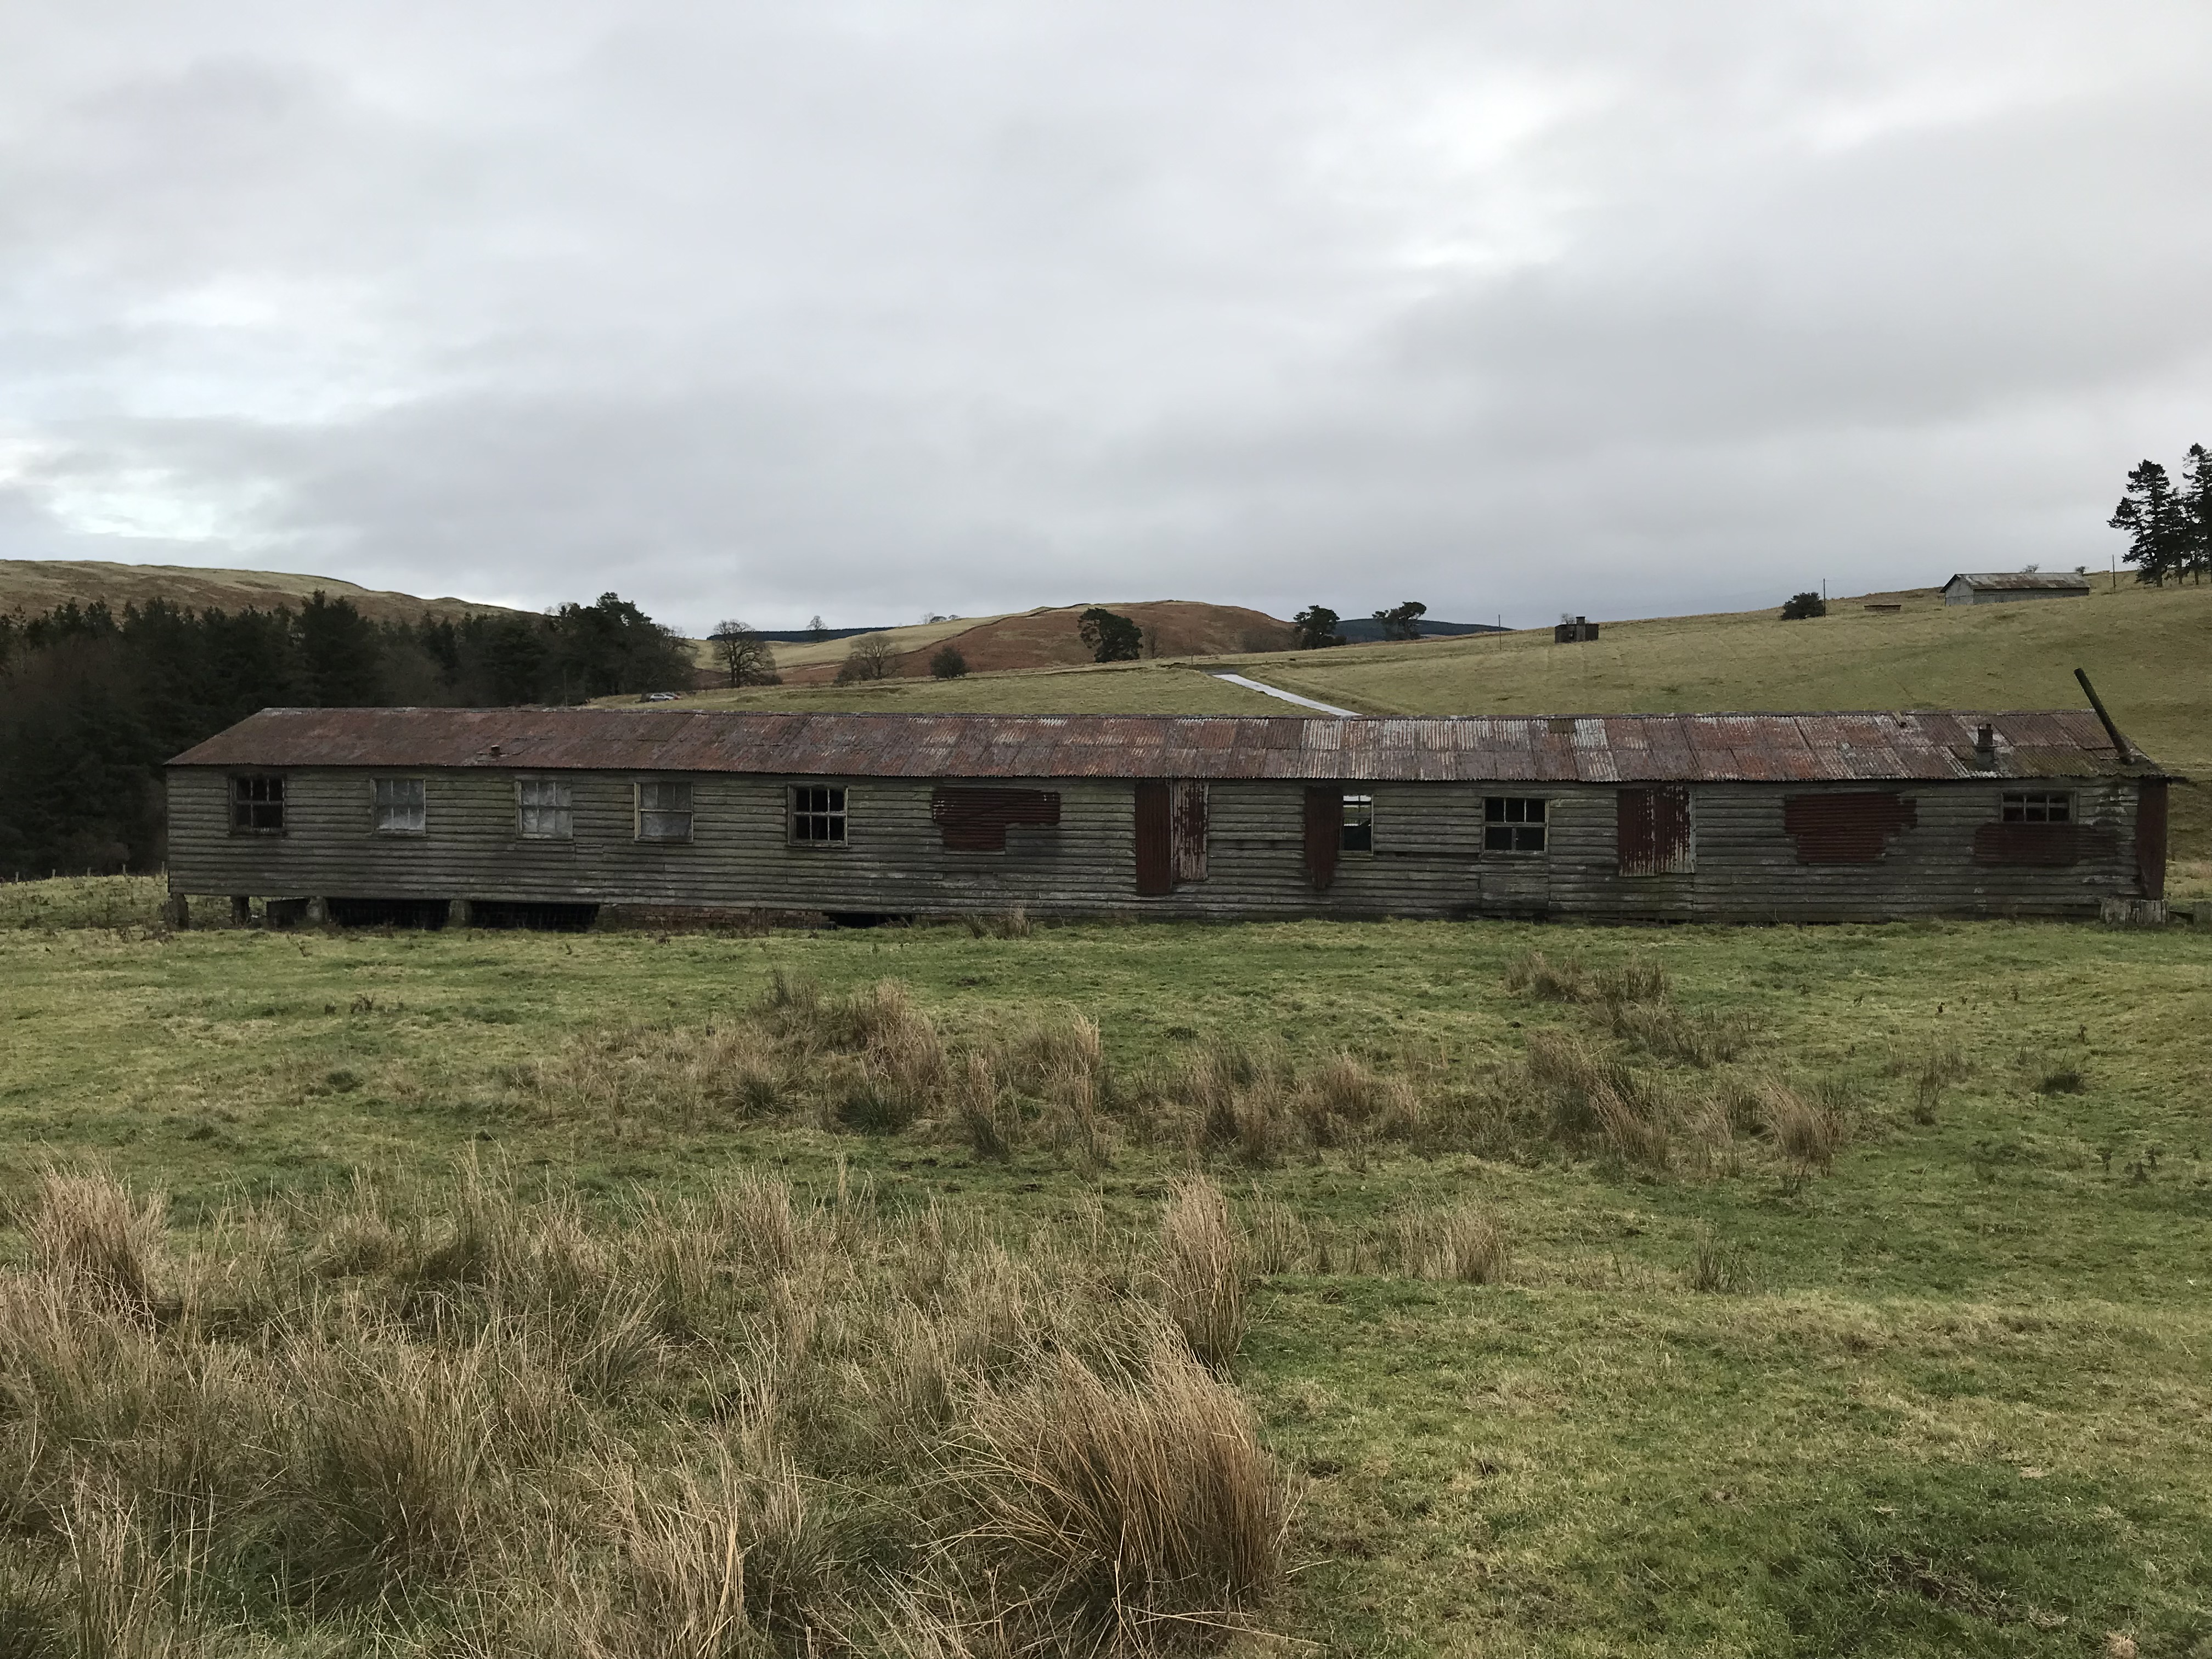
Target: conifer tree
(2158, 528)
(2196, 510)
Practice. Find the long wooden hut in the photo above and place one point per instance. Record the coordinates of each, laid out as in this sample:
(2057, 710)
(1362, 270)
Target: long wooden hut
(429, 814)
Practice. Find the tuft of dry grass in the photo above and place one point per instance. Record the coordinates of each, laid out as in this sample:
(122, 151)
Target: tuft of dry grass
(1134, 1512)
(1457, 1242)
(1549, 981)
(998, 924)
(1808, 1134)
(1201, 1271)
(84, 1229)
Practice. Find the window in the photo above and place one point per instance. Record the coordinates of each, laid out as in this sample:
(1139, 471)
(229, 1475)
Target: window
(545, 809)
(663, 811)
(1357, 822)
(2038, 809)
(818, 817)
(1513, 823)
(399, 806)
(257, 807)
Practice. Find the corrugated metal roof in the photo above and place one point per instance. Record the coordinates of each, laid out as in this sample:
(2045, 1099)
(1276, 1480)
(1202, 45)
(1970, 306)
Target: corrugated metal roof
(2023, 580)
(1587, 749)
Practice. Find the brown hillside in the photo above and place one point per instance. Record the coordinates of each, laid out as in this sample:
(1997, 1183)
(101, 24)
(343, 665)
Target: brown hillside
(1046, 638)
(34, 586)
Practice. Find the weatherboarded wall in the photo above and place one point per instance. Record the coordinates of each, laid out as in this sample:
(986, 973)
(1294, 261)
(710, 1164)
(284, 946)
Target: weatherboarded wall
(1857, 851)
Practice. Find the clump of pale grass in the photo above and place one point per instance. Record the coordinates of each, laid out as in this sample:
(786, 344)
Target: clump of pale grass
(84, 1228)
(1454, 1242)
(1122, 1513)
(1550, 981)
(1704, 1038)
(1716, 1267)
(998, 924)
(1807, 1133)
(1277, 1239)
(1202, 1271)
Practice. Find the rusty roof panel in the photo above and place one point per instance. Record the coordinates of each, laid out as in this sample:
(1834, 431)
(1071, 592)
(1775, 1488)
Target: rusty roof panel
(1630, 748)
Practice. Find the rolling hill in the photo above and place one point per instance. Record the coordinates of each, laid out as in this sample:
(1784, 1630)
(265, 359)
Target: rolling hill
(1046, 638)
(34, 586)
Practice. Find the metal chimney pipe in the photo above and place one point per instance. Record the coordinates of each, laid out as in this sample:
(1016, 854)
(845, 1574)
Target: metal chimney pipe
(2126, 752)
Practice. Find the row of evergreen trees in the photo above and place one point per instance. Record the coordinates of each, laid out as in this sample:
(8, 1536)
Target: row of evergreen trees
(2169, 529)
(93, 701)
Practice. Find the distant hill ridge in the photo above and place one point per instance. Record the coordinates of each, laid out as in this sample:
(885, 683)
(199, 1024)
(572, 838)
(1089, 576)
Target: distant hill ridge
(34, 586)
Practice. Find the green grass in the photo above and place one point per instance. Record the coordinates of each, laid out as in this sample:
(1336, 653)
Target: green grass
(1959, 1408)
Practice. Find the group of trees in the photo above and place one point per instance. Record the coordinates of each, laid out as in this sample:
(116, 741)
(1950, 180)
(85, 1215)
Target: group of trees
(2169, 529)
(1318, 626)
(93, 700)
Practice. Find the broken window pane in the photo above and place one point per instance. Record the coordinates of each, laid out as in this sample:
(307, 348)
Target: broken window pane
(545, 809)
(663, 811)
(400, 808)
(1357, 818)
(2044, 808)
(818, 816)
(257, 806)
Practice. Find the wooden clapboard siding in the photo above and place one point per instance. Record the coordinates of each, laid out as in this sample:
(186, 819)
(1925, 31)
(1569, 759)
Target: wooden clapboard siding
(1428, 858)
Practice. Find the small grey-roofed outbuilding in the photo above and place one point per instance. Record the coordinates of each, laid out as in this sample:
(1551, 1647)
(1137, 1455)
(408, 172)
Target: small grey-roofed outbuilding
(2005, 587)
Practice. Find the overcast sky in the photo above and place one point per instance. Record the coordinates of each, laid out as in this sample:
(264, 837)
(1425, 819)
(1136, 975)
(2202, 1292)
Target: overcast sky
(872, 309)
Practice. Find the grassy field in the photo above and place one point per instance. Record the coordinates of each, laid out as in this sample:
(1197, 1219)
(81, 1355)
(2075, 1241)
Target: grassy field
(1604, 1291)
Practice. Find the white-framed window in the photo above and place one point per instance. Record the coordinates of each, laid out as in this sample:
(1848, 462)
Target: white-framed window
(2043, 807)
(817, 815)
(401, 806)
(545, 809)
(663, 811)
(257, 806)
(1355, 816)
(1513, 823)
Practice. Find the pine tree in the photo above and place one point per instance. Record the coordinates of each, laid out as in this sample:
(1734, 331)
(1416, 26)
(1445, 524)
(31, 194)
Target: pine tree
(2157, 527)
(2196, 510)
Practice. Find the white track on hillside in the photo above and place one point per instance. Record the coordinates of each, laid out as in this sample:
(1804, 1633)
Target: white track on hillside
(1289, 696)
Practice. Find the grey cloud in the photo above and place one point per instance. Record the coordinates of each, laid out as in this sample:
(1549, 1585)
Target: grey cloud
(866, 309)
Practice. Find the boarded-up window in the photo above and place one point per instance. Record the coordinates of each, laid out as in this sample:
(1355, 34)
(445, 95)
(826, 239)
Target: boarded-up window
(1653, 830)
(1845, 828)
(1324, 827)
(1155, 860)
(2048, 845)
(976, 820)
(2150, 838)
(1188, 828)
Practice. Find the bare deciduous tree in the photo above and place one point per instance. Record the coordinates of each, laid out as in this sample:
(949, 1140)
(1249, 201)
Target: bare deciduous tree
(746, 659)
(869, 659)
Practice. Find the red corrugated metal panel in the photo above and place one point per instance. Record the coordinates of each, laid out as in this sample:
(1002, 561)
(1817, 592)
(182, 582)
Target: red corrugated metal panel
(1155, 861)
(1324, 828)
(1627, 748)
(1652, 830)
(2150, 838)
